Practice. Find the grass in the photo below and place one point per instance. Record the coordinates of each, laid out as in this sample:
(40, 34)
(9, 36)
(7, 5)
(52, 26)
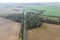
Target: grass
(52, 10)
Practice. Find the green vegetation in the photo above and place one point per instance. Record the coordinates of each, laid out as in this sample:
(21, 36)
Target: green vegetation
(51, 19)
(15, 17)
(51, 10)
(33, 20)
(51, 15)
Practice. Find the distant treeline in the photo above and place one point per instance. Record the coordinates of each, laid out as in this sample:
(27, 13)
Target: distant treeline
(15, 17)
(45, 18)
(51, 19)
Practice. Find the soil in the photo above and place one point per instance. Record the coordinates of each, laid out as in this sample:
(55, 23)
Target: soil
(9, 30)
(45, 32)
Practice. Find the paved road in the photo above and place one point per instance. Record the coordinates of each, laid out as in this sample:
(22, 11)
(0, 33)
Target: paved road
(9, 30)
(45, 32)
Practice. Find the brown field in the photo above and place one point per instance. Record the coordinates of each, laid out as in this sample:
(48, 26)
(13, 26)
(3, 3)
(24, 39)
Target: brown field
(9, 30)
(45, 32)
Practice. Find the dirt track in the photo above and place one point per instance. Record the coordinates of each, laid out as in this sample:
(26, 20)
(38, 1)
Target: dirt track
(45, 32)
(9, 30)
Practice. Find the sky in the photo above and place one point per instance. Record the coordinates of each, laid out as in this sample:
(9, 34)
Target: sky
(27, 1)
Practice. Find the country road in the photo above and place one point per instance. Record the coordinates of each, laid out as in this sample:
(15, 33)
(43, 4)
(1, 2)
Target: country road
(45, 32)
(9, 30)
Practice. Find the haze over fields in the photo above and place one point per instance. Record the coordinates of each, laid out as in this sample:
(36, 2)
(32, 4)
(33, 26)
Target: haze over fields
(51, 8)
(10, 9)
(48, 31)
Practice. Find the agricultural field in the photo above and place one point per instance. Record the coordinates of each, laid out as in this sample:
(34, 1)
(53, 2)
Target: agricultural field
(9, 27)
(52, 10)
(45, 32)
(15, 12)
(9, 30)
(11, 11)
(6, 9)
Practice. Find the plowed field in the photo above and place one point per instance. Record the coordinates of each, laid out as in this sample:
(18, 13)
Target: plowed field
(45, 32)
(9, 30)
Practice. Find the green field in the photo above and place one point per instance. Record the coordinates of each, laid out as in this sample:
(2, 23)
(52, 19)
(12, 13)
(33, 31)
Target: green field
(51, 10)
